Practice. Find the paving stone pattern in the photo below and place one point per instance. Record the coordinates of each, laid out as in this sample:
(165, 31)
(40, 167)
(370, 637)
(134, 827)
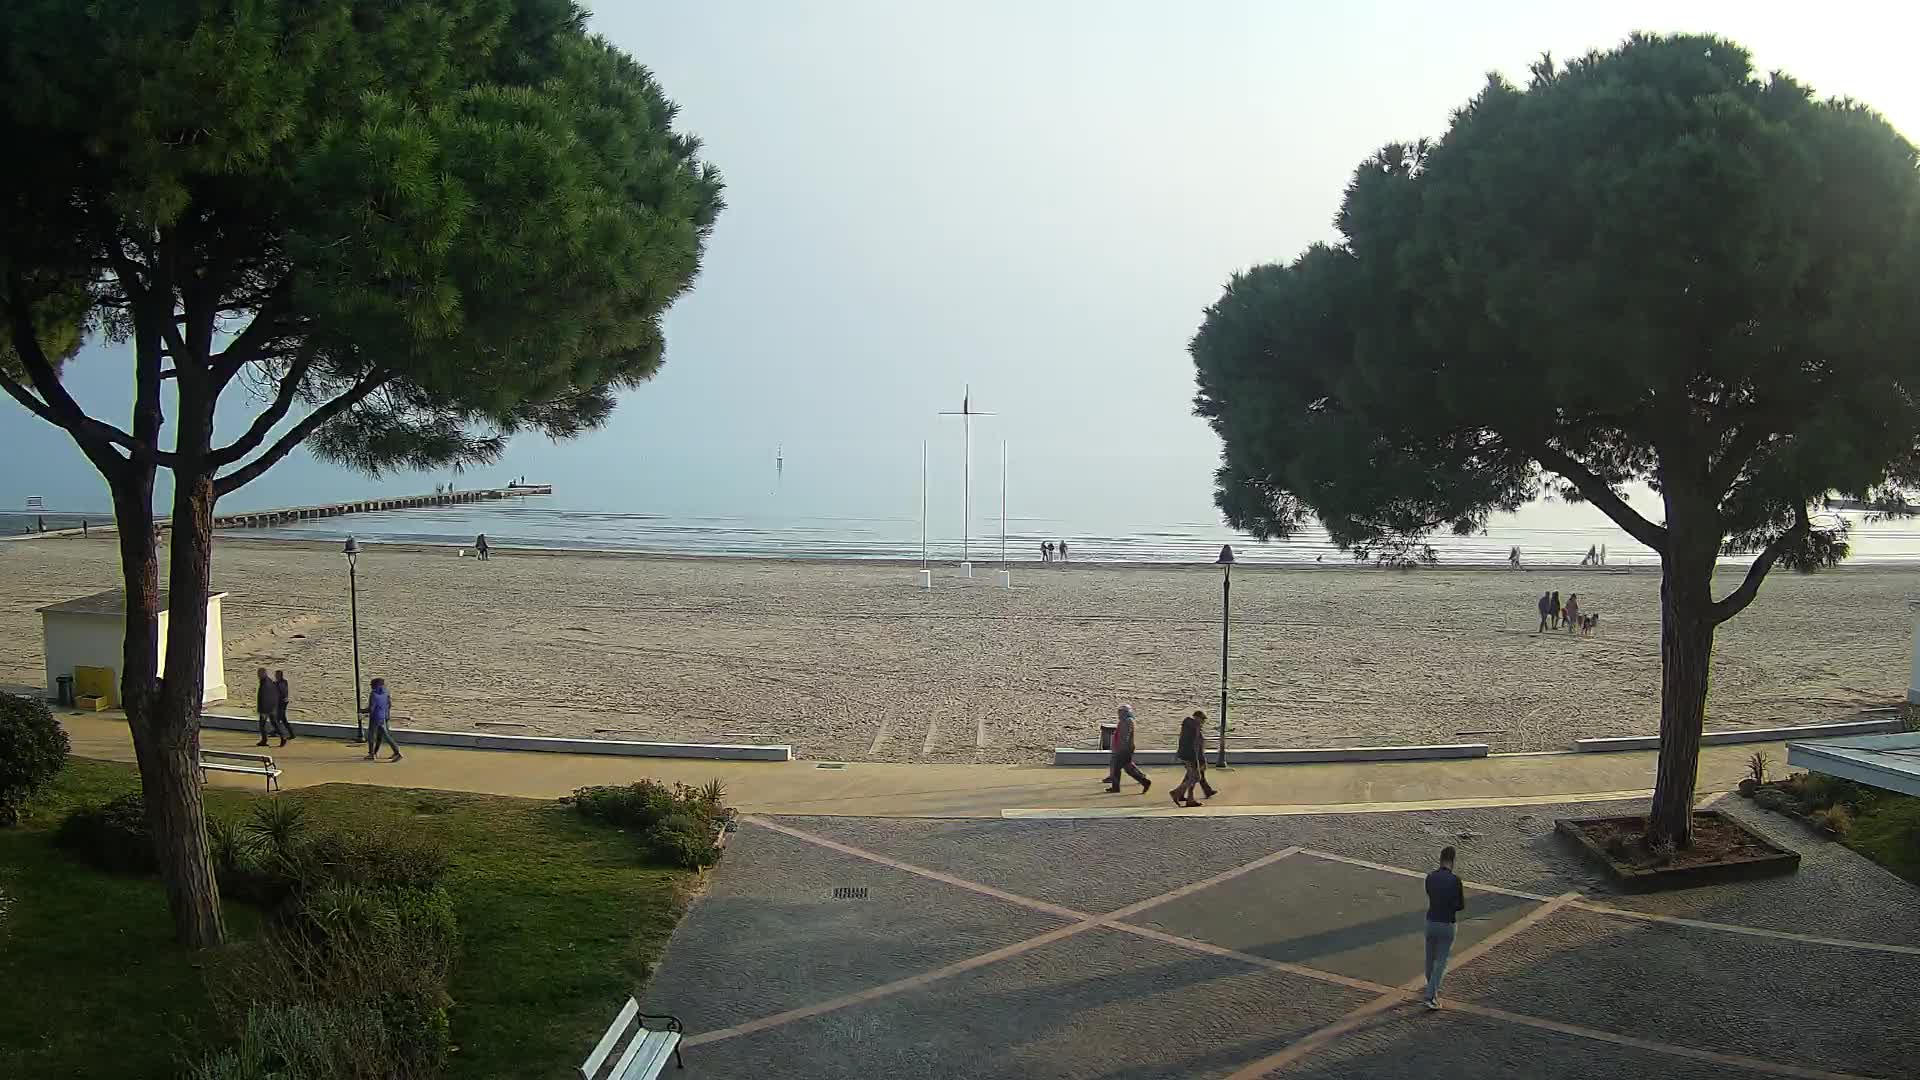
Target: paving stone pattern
(1104, 1001)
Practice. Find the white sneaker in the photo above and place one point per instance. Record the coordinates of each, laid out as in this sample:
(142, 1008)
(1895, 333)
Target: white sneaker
(1433, 1004)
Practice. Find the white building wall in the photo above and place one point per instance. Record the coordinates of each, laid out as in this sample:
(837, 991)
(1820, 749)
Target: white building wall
(72, 639)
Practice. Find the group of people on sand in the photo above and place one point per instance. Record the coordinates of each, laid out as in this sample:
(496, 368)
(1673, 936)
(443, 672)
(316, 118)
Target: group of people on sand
(1192, 754)
(1555, 615)
(1048, 548)
(270, 703)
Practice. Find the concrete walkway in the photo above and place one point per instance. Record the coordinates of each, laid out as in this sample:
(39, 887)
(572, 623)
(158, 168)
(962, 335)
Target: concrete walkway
(861, 789)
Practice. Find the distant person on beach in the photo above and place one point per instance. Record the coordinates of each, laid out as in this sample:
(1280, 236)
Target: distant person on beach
(267, 706)
(1121, 754)
(1046, 551)
(480, 546)
(1446, 899)
(1603, 554)
(1513, 557)
(1546, 610)
(283, 693)
(1063, 551)
(1553, 609)
(379, 711)
(1570, 615)
(1193, 754)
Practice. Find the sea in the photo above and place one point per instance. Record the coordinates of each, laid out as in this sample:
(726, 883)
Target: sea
(548, 522)
(1143, 511)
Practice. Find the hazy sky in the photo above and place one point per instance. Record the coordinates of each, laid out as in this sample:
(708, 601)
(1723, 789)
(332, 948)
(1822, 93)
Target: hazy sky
(1034, 198)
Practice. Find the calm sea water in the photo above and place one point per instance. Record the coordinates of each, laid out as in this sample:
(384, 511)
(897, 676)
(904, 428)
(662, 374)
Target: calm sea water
(1545, 535)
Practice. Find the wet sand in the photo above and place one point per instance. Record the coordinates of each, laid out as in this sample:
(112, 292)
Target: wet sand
(854, 662)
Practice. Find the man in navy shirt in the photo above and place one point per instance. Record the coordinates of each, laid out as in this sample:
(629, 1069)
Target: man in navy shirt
(1445, 900)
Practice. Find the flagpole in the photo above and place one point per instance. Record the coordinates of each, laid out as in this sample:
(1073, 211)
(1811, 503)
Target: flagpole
(1003, 504)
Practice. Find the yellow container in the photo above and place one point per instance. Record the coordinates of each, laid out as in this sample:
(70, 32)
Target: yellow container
(96, 682)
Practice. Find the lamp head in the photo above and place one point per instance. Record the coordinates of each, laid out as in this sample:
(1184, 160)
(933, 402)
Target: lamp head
(352, 549)
(1226, 555)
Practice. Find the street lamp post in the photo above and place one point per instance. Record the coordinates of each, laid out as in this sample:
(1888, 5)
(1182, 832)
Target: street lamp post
(352, 552)
(1225, 562)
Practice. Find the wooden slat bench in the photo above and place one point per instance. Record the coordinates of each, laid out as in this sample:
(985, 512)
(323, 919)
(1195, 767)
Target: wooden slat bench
(251, 764)
(645, 1050)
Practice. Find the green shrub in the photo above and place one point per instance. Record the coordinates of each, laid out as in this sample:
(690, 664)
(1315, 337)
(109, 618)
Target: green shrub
(676, 826)
(276, 826)
(639, 805)
(33, 750)
(1835, 819)
(362, 973)
(682, 840)
(112, 836)
(375, 859)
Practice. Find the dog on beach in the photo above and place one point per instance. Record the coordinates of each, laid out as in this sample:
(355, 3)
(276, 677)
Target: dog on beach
(1588, 623)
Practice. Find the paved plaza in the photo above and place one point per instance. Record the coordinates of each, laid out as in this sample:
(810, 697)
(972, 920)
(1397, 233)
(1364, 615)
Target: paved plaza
(1247, 946)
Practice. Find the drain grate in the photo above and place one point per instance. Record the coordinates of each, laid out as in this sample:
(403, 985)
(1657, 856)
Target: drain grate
(850, 892)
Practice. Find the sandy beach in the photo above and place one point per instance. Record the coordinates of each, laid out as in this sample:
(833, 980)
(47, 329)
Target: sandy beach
(854, 662)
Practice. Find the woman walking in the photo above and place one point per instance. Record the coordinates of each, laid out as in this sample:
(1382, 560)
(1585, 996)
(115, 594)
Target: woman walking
(1570, 615)
(1553, 609)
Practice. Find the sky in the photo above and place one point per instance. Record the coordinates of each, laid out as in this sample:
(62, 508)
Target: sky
(1033, 200)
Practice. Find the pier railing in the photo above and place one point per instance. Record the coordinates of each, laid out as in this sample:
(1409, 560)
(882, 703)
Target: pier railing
(260, 519)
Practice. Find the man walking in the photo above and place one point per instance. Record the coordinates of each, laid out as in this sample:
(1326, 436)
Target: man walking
(1122, 753)
(480, 546)
(379, 712)
(283, 695)
(267, 706)
(1446, 899)
(1193, 754)
(1546, 610)
(1063, 551)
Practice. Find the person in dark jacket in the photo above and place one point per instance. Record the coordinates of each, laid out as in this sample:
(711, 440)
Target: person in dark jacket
(1193, 754)
(480, 546)
(379, 711)
(285, 694)
(1553, 610)
(1546, 610)
(267, 706)
(1446, 899)
(1122, 754)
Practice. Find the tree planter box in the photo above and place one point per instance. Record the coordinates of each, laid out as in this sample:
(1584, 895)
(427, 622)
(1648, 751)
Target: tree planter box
(1757, 858)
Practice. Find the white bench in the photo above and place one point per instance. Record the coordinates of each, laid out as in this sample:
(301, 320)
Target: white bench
(646, 1049)
(251, 764)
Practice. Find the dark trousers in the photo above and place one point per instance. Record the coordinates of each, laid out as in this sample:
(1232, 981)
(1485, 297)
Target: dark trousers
(273, 720)
(1124, 762)
(376, 731)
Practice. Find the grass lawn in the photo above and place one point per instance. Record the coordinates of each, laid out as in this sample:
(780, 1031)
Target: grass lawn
(559, 921)
(1888, 832)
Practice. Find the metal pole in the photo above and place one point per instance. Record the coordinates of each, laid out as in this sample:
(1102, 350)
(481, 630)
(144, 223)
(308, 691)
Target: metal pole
(1003, 504)
(353, 600)
(1226, 607)
(923, 504)
(966, 497)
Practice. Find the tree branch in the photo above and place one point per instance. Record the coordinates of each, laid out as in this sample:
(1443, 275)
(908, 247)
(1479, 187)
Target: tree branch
(1736, 601)
(96, 437)
(252, 342)
(264, 424)
(1740, 450)
(1601, 494)
(298, 433)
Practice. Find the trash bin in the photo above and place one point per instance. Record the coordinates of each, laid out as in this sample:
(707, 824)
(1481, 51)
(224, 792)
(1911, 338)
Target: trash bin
(64, 690)
(1107, 728)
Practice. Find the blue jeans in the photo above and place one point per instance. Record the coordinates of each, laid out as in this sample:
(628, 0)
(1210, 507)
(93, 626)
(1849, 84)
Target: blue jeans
(1439, 945)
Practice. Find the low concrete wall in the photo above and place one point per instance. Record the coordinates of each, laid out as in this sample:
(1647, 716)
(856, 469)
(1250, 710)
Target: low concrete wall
(1279, 756)
(474, 740)
(1744, 735)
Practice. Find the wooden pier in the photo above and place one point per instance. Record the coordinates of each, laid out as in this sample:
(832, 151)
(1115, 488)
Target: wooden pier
(261, 519)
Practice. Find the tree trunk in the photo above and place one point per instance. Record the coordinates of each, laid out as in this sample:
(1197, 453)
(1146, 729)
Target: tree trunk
(166, 748)
(1686, 651)
(175, 810)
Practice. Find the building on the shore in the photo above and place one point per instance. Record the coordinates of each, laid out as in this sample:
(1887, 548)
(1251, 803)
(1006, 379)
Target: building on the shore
(90, 632)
